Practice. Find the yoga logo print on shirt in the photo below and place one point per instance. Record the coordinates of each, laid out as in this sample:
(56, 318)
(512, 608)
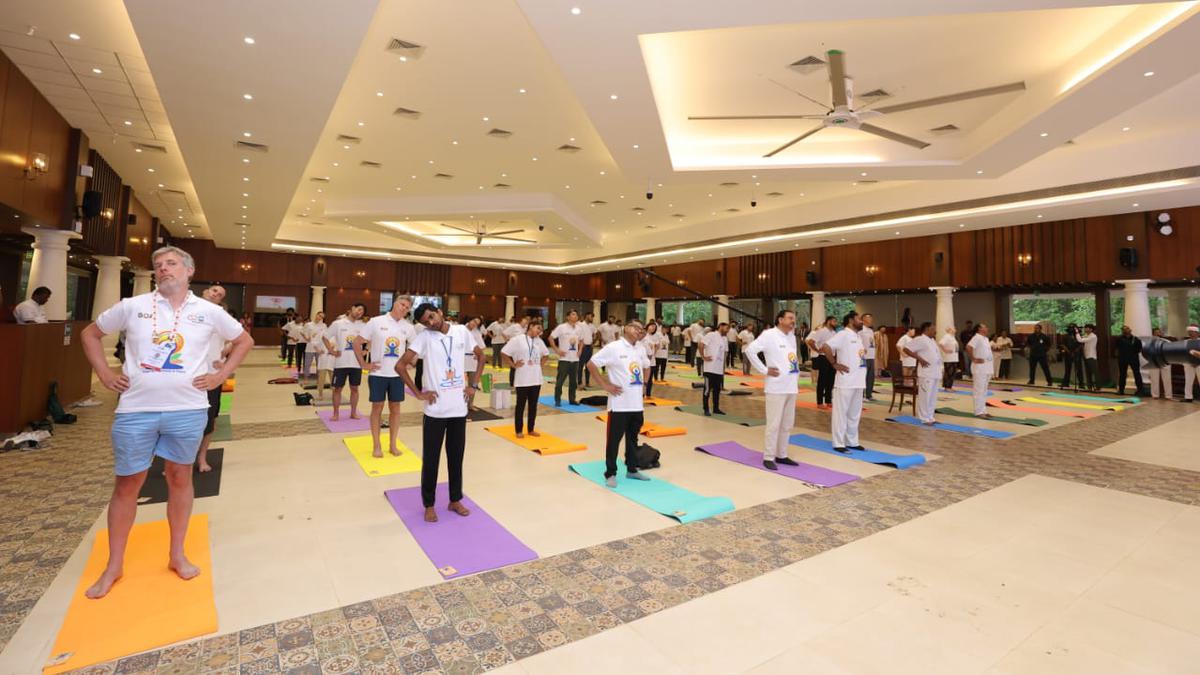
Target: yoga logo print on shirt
(349, 347)
(635, 374)
(862, 358)
(391, 348)
(793, 363)
(167, 354)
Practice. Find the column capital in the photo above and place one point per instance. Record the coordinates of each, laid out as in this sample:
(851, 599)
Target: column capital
(1140, 284)
(107, 261)
(816, 293)
(943, 289)
(51, 239)
(142, 272)
(317, 288)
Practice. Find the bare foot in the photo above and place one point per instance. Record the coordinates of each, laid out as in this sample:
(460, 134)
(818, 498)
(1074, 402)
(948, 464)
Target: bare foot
(520, 435)
(396, 452)
(103, 585)
(204, 467)
(533, 433)
(377, 453)
(458, 508)
(184, 568)
(354, 416)
(430, 515)
(334, 417)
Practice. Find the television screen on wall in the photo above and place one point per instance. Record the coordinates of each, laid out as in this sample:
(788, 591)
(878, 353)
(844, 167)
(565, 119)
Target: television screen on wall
(274, 303)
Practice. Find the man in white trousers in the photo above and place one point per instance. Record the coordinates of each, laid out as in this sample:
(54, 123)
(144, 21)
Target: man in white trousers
(1189, 370)
(979, 355)
(925, 351)
(846, 351)
(773, 352)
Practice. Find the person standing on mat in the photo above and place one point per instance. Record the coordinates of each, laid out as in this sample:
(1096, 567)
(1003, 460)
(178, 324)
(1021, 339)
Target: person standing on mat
(516, 328)
(698, 330)
(732, 352)
(712, 353)
(745, 337)
(1038, 345)
(649, 344)
(339, 340)
(773, 353)
(816, 340)
(1129, 348)
(163, 404)
(325, 360)
(949, 347)
(927, 353)
(301, 337)
(626, 365)
(497, 329)
(217, 349)
(848, 354)
(526, 355)
(446, 390)
(907, 363)
(283, 334)
(656, 343)
(1089, 341)
(386, 337)
(566, 342)
(587, 335)
(979, 355)
(867, 335)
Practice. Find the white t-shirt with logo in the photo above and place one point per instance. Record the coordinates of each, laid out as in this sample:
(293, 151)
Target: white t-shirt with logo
(819, 337)
(868, 339)
(905, 360)
(716, 346)
(566, 337)
(388, 340)
(627, 367)
(165, 350)
(444, 355)
(657, 344)
(931, 352)
(587, 333)
(777, 350)
(470, 363)
(849, 351)
(531, 350)
(316, 333)
(981, 349)
(608, 332)
(342, 334)
(497, 330)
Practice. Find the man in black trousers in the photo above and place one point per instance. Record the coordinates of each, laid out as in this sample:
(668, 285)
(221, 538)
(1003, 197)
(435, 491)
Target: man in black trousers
(1039, 346)
(1129, 348)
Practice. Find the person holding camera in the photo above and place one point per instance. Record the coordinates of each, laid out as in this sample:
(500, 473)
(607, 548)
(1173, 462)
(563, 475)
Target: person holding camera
(1072, 356)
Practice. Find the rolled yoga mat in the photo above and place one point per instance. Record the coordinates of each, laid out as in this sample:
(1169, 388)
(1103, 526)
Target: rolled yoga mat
(656, 494)
(362, 448)
(732, 419)
(458, 545)
(1094, 399)
(543, 443)
(1057, 412)
(1069, 404)
(565, 407)
(207, 484)
(955, 428)
(149, 607)
(808, 473)
(872, 456)
(344, 424)
(1026, 421)
(226, 404)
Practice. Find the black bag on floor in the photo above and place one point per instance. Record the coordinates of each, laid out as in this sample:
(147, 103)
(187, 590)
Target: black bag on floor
(647, 457)
(594, 400)
(302, 398)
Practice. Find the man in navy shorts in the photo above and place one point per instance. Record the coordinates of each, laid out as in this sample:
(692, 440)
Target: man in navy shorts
(387, 336)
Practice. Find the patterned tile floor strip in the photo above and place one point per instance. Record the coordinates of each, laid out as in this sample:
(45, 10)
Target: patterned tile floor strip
(484, 621)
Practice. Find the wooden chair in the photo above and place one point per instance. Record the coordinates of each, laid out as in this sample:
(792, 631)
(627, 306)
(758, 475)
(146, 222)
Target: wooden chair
(901, 385)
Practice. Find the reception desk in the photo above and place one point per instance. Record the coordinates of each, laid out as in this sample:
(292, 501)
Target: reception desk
(34, 356)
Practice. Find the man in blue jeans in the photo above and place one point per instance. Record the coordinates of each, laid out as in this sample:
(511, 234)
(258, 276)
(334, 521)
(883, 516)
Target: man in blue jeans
(164, 402)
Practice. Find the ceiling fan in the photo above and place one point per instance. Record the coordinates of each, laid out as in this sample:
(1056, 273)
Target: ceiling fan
(480, 233)
(843, 114)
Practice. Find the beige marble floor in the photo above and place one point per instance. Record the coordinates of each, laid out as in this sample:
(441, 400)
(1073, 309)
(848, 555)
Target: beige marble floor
(1175, 444)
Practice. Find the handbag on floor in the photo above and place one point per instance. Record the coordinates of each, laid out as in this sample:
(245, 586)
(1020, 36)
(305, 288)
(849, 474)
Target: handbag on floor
(302, 399)
(647, 457)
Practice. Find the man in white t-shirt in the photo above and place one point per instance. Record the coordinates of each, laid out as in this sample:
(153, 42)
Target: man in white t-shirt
(163, 405)
(867, 335)
(33, 310)
(387, 337)
(949, 352)
(927, 353)
(626, 365)
(340, 340)
(1090, 340)
(846, 351)
(446, 390)
(825, 371)
(587, 335)
(292, 330)
(566, 341)
(316, 340)
(215, 360)
(497, 329)
(516, 328)
(745, 337)
(774, 354)
(713, 347)
(697, 331)
(907, 362)
(731, 354)
(979, 355)
(609, 331)
(526, 355)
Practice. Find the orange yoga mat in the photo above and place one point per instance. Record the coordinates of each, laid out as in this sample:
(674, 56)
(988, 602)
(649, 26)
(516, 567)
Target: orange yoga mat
(543, 444)
(1038, 410)
(663, 402)
(149, 607)
(229, 385)
(652, 430)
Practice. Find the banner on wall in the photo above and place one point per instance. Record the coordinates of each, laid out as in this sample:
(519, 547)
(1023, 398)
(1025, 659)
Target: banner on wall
(274, 303)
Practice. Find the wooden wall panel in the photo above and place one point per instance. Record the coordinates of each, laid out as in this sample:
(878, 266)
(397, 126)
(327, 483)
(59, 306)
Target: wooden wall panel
(621, 285)
(45, 196)
(101, 235)
(1176, 256)
(139, 236)
(16, 120)
(765, 274)
(803, 262)
(422, 279)
(706, 277)
(488, 306)
(478, 280)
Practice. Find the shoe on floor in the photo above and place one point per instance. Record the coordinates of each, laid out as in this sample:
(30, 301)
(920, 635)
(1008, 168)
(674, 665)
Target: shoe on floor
(611, 481)
(787, 460)
(707, 414)
(718, 412)
(857, 447)
(636, 475)
(770, 465)
(842, 450)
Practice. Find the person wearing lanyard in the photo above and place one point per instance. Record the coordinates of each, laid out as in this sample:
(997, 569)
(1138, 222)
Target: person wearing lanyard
(625, 364)
(526, 355)
(163, 404)
(447, 390)
(846, 352)
(386, 336)
(564, 340)
(778, 361)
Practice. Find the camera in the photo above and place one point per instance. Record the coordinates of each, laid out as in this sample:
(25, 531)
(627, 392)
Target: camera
(753, 203)
(1161, 352)
(649, 195)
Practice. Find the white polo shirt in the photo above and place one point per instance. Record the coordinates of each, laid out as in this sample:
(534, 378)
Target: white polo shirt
(388, 340)
(444, 356)
(777, 350)
(981, 349)
(906, 360)
(529, 350)
(342, 334)
(849, 351)
(316, 335)
(470, 363)
(567, 338)
(626, 366)
(820, 336)
(165, 350)
(587, 333)
(949, 350)
(746, 337)
(716, 346)
(512, 330)
(497, 330)
(931, 352)
(30, 312)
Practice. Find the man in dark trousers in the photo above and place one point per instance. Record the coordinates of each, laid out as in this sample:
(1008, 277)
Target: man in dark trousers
(1039, 346)
(1129, 347)
(964, 336)
(1072, 357)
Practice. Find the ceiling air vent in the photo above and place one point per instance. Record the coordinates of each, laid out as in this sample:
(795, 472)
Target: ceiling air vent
(319, 179)
(404, 49)
(638, 209)
(499, 133)
(678, 215)
(732, 210)
(369, 164)
(1069, 143)
(598, 202)
(566, 147)
(502, 186)
(318, 222)
(147, 147)
(774, 194)
(808, 64)
(343, 138)
(729, 185)
(651, 227)
(874, 95)
(944, 129)
(408, 113)
(443, 176)
(823, 241)
(867, 182)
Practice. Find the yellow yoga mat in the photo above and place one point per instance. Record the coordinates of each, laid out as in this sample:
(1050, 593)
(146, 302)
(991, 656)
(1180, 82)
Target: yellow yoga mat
(666, 402)
(361, 448)
(149, 607)
(1065, 404)
(545, 444)
(652, 429)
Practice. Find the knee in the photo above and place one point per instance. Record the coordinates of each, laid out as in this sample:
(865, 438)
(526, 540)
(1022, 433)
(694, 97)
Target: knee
(178, 475)
(127, 487)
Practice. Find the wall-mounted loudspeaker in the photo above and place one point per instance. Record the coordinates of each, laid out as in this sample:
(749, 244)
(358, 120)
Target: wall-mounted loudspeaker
(937, 257)
(1128, 258)
(92, 203)
(810, 277)
(132, 219)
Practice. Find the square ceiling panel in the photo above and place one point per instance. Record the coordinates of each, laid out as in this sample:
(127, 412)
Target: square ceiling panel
(22, 57)
(14, 41)
(109, 88)
(78, 53)
(42, 75)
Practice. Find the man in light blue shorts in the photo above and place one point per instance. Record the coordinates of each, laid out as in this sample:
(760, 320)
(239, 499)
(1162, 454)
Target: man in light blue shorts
(163, 406)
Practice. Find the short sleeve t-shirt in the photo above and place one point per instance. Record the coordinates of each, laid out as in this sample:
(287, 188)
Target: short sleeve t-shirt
(512, 330)
(165, 350)
(949, 351)
(778, 350)
(745, 337)
(587, 333)
(868, 339)
(820, 336)
(342, 334)
(470, 363)
(529, 350)
(444, 356)
(931, 352)
(716, 346)
(981, 349)
(608, 332)
(566, 337)
(626, 366)
(388, 340)
(905, 360)
(848, 350)
(661, 342)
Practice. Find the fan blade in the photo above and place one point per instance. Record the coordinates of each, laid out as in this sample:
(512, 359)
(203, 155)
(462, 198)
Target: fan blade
(525, 241)
(837, 76)
(478, 239)
(798, 93)
(496, 234)
(893, 136)
(792, 142)
(952, 98)
(760, 117)
(460, 229)
(453, 235)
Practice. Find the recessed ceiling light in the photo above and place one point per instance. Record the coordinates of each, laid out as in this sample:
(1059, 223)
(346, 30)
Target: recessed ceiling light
(1043, 134)
(431, 161)
(245, 194)
(979, 172)
(485, 119)
(1136, 204)
(248, 97)
(520, 91)
(635, 146)
(345, 147)
(404, 59)
(1039, 215)
(247, 134)
(150, 170)
(569, 187)
(128, 123)
(962, 224)
(379, 93)
(453, 142)
(248, 40)
(245, 179)
(161, 185)
(864, 173)
(535, 159)
(361, 124)
(504, 175)
(97, 71)
(73, 36)
(1124, 128)
(244, 206)
(576, 11)
(137, 149)
(1148, 73)
(398, 188)
(245, 160)
(320, 190)
(602, 173)
(336, 164)
(613, 97)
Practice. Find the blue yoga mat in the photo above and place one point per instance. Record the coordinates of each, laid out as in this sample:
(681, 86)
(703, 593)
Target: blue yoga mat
(657, 495)
(956, 428)
(1094, 399)
(872, 456)
(567, 407)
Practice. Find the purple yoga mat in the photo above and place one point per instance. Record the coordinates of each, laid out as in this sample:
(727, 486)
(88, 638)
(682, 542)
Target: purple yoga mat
(344, 424)
(736, 452)
(458, 546)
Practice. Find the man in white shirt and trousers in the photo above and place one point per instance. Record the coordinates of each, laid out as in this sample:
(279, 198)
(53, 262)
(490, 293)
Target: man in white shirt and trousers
(846, 352)
(33, 310)
(867, 335)
(627, 367)
(712, 355)
(774, 354)
(925, 351)
(979, 355)
(497, 329)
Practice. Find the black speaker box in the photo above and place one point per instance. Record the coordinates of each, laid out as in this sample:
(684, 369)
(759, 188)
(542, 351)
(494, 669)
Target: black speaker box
(92, 203)
(810, 277)
(132, 219)
(1128, 258)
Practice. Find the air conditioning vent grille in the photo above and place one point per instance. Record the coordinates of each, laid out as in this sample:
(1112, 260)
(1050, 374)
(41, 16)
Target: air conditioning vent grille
(369, 164)
(407, 113)
(566, 147)
(499, 133)
(443, 176)
(344, 138)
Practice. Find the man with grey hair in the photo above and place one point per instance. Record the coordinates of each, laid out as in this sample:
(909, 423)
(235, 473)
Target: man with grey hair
(163, 405)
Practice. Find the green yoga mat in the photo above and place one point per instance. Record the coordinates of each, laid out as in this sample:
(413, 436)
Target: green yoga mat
(226, 403)
(657, 495)
(690, 376)
(1096, 399)
(222, 429)
(1027, 421)
(732, 419)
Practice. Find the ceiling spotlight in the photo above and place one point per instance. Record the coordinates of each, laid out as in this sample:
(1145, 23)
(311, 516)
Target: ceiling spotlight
(613, 96)
(1124, 128)
(636, 146)
(245, 179)
(1148, 73)
(150, 170)
(1043, 134)
(161, 185)
(520, 91)
(246, 134)
(97, 71)
(345, 147)
(979, 172)
(245, 160)
(244, 194)
(485, 118)
(379, 93)
(248, 40)
(128, 123)
(73, 36)
(576, 11)
(362, 124)
(137, 149)
(1135, 205)
(962, 224)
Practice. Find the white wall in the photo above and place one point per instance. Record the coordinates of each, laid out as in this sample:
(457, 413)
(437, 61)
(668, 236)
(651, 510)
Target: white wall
(889, 308)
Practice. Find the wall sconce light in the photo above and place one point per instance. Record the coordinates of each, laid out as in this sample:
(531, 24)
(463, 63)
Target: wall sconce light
(1023, 259)
(360, 274)
(617, 286)
(481, 281)
(39, 164)
(107, 213)
(246, 267)
(134, 240)
(762, 276)
(557, 286)
(871, 270)
(681, 282)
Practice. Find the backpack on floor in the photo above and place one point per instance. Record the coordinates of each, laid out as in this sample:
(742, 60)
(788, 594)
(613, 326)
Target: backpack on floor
(55, 408)
(302, 398)
(647, 457)
(594, 400)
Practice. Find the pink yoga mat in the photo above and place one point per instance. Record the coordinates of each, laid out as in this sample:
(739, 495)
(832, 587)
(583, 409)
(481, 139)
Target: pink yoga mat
(344, 423)
(458, 546)
(815, 475)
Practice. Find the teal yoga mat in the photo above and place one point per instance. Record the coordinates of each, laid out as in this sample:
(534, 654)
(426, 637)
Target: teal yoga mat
(1027, 421)
(566, 406)
(1096, 399)
(732, 419)
(657, 495)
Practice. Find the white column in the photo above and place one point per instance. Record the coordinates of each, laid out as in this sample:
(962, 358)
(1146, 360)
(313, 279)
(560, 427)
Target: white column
(1177, 312)
(818, 309)
(1137, 305)
(142, 281)
(510, 306)
(108, 293)
(650, 314)
(49, 267)
(722, 312)
(597, 306)
(944, 315)
(317, 304)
